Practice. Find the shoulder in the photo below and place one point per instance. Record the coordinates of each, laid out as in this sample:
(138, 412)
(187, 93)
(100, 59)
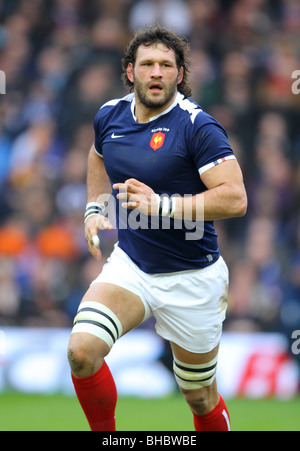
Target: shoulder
(196, 117)
(188, 108)
(118, 102)
(114, 106)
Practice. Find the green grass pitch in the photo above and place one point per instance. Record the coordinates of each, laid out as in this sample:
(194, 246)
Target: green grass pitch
(59, 413)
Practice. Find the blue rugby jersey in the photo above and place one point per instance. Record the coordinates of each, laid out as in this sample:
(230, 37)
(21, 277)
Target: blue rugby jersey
(169, 154)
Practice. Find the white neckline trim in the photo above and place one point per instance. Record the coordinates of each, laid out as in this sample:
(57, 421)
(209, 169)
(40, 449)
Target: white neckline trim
(176, 101)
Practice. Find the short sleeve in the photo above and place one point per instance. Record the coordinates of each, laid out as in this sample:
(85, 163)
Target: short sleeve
(210, 145)
(97, 129)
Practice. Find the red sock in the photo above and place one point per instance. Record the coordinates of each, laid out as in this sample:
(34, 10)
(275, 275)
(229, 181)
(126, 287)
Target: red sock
(97, 395)
(215, 420)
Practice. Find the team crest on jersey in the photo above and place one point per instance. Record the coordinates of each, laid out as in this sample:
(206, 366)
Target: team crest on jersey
(157, 140)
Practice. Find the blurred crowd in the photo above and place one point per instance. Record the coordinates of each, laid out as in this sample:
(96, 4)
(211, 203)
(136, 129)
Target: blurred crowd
(62, 61)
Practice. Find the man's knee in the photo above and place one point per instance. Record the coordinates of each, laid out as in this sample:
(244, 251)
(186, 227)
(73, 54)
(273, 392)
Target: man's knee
(78, 353)
(77, 358)
(198, 384)
(86, 354)
(203, 400)
(96, 329)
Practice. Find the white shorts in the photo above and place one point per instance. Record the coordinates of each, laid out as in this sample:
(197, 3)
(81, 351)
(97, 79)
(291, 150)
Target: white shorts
(189, 306)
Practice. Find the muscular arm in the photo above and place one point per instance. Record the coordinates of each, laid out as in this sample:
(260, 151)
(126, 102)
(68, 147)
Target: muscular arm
(97, 178)
(98, 190)
(225, 196)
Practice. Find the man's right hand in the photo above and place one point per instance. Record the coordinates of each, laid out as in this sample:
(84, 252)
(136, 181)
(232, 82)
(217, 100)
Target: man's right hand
(93, 224)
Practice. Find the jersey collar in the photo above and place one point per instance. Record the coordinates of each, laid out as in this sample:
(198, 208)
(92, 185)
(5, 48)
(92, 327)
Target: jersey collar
(176, 101)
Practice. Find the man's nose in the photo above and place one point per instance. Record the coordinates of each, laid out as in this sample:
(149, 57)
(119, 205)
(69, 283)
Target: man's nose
(156, 71)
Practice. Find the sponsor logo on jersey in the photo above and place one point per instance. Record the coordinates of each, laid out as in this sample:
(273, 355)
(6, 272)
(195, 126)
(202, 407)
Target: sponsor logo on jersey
(157, 140)
(114, 136)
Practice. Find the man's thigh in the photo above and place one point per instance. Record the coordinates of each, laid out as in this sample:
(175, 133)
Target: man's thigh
(126, 305)
(192, 357)
(106, 312)
(193, 307)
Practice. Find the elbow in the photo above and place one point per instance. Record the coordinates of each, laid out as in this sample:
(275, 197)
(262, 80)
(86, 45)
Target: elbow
(237, 202)
(241, 204)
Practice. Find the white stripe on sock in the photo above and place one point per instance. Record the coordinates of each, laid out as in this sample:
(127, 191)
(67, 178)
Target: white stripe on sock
(225, 415)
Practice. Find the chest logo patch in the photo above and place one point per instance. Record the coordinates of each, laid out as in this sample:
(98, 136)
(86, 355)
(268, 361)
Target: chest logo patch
(157, 140)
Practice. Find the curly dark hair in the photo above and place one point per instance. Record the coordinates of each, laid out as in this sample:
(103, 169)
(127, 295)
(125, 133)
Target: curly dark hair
(154, 35)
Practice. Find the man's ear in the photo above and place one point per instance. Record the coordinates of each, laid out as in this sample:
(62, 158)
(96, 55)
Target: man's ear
(180, 75)
(129, 72)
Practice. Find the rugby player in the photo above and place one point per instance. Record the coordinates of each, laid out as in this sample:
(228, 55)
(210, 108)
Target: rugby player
(164, 159)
